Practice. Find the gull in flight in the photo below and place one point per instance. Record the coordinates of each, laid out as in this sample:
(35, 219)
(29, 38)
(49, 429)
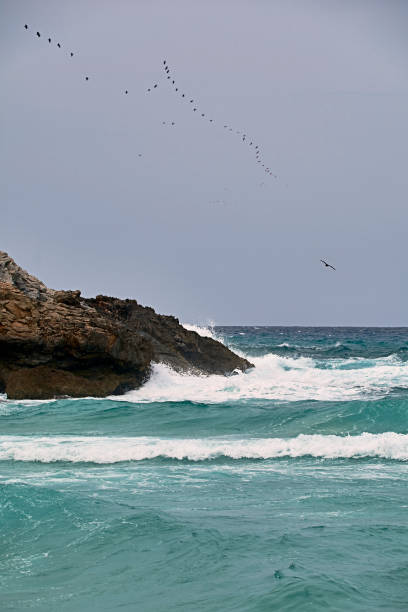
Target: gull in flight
(327, 265)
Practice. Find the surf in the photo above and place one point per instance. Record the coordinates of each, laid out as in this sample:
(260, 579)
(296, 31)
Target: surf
(106, 450)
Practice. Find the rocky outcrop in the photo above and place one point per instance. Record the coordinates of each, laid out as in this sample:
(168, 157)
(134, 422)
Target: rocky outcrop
(57, 343)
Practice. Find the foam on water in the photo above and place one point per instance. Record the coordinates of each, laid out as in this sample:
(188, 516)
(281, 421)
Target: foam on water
(278, 378)
(105, 450)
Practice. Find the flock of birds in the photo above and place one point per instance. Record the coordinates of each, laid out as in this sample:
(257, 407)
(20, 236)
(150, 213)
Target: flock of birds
(244, 137)
(195, 107)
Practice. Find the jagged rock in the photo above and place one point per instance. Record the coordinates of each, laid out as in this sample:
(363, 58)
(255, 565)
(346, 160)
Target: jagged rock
(57, 343)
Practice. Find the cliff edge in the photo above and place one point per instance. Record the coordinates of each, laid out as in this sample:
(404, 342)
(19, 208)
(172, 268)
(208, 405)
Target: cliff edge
(57, 343)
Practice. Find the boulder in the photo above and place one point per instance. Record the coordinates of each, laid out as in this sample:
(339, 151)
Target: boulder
(58, 344)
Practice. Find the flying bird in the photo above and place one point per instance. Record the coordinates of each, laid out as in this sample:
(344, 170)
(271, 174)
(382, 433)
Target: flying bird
(26, 26)
(58, 45)
(38, 34)
(49, 40)
(86, 78)
(327, 265)
(126, 91)
(244, 137)
(72, 55)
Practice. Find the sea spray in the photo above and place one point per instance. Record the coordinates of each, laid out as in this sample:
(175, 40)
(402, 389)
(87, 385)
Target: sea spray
(279, 378)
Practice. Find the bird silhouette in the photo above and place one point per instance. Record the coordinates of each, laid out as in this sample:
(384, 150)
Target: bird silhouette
(26, 26)
(49, 40)
(327, 265)
(86, 78)
(244, 137)
(58, 45)
(155, 86)
(71, 54)
(126, 91)
(38, 34)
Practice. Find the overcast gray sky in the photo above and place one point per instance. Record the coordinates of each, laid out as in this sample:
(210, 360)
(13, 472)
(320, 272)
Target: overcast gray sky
(193, 227)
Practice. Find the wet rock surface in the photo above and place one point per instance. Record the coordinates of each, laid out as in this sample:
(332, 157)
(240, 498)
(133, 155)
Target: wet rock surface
(57, 343)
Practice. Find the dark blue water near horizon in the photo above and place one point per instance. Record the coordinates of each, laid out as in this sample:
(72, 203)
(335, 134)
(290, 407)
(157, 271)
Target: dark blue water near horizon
(281, 489)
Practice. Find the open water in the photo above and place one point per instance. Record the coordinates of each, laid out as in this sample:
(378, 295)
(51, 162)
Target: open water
(281, 489)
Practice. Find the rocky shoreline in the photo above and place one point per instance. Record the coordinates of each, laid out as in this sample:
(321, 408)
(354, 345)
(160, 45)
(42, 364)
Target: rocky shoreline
(58, 344)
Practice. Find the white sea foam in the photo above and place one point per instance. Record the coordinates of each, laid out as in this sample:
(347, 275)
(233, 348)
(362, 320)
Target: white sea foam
(112, 450)
(277, 378)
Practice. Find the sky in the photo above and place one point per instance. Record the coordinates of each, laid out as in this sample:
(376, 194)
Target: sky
(97, 194)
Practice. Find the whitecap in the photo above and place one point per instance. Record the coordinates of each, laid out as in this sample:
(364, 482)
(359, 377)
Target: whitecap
(106, 450)
(276, 378)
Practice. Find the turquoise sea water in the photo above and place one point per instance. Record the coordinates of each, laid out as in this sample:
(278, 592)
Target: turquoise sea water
(281, 489)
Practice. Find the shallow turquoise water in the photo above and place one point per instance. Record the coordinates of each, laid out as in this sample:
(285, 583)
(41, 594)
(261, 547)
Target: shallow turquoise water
(282, 489)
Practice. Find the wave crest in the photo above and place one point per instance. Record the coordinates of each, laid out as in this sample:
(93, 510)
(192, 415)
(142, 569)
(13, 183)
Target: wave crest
(278, 378)
(105, 450)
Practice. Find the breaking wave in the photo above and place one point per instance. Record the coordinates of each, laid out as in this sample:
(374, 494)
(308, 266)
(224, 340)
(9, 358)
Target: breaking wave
(106, 450)
(279, 378)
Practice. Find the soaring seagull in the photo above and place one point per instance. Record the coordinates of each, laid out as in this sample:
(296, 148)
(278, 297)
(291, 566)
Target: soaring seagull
(327, 265)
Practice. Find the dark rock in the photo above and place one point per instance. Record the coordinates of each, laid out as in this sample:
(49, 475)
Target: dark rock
(56, 343)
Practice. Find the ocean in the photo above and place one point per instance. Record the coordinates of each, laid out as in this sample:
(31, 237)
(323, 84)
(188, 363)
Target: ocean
(283, 489)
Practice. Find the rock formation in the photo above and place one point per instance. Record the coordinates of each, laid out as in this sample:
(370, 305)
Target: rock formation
(57, 343)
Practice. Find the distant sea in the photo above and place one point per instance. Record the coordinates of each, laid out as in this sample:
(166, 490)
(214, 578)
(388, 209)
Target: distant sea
(281, 489)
